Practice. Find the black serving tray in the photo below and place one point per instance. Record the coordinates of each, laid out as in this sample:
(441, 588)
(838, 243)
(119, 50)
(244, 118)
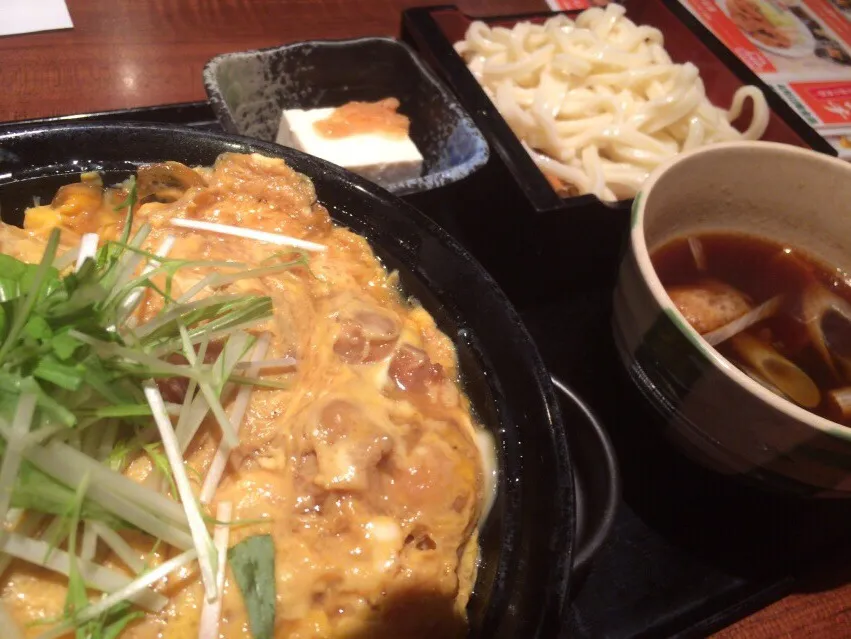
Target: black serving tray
(573, 242)
(689, 552)
(197, 115)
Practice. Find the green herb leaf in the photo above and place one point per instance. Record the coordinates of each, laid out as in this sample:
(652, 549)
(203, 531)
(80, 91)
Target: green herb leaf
(128, 203)
(52, 370)
(76, 598)
(64, 345)
(18, 276)
(253, 563)
(37, 282)
(116, 620)
(65, 339)
(236, 523)
(38, 492)
(38, 328)
(121, 452)
(160, 463)
(13, 270)
(119, 410)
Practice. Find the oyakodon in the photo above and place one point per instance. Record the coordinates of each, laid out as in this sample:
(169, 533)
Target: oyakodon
(362, 464)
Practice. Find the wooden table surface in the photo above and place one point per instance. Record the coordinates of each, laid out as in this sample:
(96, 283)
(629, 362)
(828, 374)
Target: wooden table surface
(148, 52)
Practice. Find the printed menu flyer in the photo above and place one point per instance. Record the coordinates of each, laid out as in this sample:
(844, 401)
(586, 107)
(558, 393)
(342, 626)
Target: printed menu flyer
(575, 5)
(802, 48)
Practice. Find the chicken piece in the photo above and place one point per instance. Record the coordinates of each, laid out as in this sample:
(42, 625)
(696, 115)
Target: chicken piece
(348, 446)
(412, 370)
(709, 304)
(366, 336)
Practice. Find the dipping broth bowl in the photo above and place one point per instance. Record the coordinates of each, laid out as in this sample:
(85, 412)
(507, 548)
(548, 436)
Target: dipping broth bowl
(716, 413)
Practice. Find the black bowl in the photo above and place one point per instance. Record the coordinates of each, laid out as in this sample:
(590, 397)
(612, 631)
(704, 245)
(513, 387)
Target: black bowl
(527, 540)
(596, 480)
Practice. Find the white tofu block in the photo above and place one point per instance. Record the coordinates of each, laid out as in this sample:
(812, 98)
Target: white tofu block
(382, 159)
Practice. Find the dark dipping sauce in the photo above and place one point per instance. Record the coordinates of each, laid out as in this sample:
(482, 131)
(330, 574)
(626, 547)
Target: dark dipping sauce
(800, 348)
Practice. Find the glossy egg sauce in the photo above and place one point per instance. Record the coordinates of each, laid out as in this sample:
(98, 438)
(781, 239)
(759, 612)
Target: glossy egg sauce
(367, 470)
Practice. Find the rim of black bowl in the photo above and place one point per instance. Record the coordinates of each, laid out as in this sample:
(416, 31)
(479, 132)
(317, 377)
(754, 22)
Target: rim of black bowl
(420, 184)
(545, 593)
(599, 475)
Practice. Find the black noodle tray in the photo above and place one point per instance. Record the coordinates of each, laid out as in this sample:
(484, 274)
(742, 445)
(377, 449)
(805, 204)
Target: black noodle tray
(690, 551)
(570, 242)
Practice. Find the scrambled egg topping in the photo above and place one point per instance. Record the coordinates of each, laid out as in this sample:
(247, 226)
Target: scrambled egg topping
(365, 470)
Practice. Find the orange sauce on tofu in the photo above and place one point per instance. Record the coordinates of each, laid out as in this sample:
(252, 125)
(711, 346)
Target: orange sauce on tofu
(359, 118)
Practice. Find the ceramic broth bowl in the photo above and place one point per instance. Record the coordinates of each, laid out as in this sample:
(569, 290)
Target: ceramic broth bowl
(716, 413)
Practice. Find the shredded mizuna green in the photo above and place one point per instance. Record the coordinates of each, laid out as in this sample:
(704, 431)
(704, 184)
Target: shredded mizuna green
(78, 402)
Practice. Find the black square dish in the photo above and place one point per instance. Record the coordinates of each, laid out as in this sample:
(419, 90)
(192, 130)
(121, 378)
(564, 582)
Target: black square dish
(248, 90)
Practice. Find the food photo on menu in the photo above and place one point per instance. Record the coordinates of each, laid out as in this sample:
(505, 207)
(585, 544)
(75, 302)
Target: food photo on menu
(802, 48)
(517, 318)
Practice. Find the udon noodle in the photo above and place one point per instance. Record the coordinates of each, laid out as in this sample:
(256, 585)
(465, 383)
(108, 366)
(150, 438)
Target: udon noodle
(597, 102)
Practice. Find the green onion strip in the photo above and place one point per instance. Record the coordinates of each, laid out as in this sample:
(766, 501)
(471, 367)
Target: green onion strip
(78, 401)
